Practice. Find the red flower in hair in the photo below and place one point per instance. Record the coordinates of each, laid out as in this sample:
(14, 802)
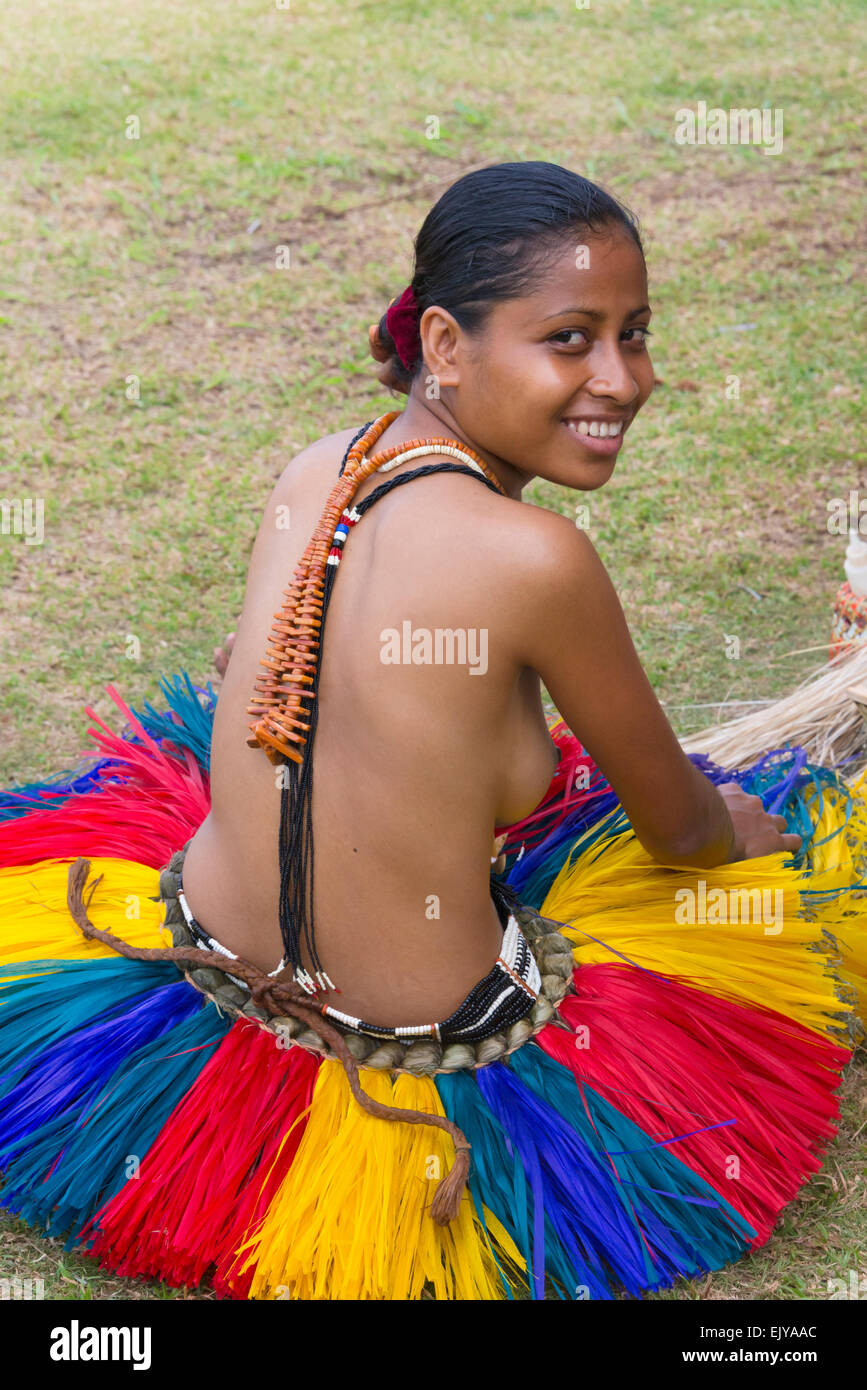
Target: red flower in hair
(401, 320)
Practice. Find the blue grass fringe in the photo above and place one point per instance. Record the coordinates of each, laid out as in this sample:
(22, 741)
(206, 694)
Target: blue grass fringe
(96, 1056)
(588, 1198)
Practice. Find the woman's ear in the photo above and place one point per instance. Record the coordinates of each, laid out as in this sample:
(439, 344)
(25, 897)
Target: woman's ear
(440, 335)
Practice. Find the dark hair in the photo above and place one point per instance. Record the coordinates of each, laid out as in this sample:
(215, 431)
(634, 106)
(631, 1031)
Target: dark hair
(493, 233)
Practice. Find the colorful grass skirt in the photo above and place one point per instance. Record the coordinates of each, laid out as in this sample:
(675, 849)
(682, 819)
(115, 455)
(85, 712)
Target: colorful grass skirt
(681, 1095)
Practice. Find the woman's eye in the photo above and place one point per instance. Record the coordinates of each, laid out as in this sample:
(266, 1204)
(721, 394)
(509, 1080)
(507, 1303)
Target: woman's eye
(568, 333)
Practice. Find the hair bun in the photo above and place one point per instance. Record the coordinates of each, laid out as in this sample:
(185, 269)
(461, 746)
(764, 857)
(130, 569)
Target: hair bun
(378, 347)
(391, 371)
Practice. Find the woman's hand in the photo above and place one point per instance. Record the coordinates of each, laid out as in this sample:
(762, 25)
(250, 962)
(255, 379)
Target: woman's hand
(222, 654)
(756, 832)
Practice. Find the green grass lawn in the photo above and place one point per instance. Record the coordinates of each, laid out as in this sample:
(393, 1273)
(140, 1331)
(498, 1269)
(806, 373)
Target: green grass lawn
(157, 370)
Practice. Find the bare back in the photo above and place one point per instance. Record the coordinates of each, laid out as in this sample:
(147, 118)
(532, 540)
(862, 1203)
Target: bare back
(414, 762)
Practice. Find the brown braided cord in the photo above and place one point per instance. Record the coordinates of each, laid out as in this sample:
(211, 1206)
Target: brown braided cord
(420, 1056)
(283, 996)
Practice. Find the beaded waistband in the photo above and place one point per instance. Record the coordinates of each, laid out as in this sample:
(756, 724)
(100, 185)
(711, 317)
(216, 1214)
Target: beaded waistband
(422, 1056)
(505, 995)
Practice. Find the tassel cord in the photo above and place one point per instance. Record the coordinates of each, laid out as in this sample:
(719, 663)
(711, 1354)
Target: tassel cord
(279, 996)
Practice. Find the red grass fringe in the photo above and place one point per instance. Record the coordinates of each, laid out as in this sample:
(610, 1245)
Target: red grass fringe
(157, 806)
(214, 1167)
(675, 1059)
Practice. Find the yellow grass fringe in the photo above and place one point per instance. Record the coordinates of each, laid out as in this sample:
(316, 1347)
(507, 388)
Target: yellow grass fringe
(35, 922)
(615, 902)
(841, 864)
(351, 1218)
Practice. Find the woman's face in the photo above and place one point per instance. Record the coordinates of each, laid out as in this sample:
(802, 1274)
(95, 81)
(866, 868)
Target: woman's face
(555, 372)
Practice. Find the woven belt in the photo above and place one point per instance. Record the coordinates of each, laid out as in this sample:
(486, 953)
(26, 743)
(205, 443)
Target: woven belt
(419, 1056)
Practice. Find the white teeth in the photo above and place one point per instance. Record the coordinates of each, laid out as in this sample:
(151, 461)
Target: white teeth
(598, 429)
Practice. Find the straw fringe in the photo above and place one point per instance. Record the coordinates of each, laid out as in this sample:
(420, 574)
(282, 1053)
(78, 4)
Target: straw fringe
(820, 714)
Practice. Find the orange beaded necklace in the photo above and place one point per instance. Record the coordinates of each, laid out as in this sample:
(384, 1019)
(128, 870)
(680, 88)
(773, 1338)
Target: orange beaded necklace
(291, 657)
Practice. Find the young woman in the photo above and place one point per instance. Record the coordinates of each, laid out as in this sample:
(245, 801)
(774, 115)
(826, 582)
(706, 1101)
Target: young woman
(607, 1092)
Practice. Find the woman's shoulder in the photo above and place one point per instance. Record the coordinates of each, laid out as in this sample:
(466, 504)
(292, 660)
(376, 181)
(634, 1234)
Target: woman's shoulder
(545, 540)
(531, 540)
(329, 449)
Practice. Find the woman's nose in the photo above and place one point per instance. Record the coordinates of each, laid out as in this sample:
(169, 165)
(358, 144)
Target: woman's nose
(612, 375)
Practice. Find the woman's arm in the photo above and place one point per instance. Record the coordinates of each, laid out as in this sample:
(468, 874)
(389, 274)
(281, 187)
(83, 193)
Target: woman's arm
(575, 635)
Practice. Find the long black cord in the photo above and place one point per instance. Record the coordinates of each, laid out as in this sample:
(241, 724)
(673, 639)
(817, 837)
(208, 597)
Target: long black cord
(296, 795)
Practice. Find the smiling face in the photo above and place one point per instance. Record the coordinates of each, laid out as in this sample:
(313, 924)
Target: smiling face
(554, 379)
